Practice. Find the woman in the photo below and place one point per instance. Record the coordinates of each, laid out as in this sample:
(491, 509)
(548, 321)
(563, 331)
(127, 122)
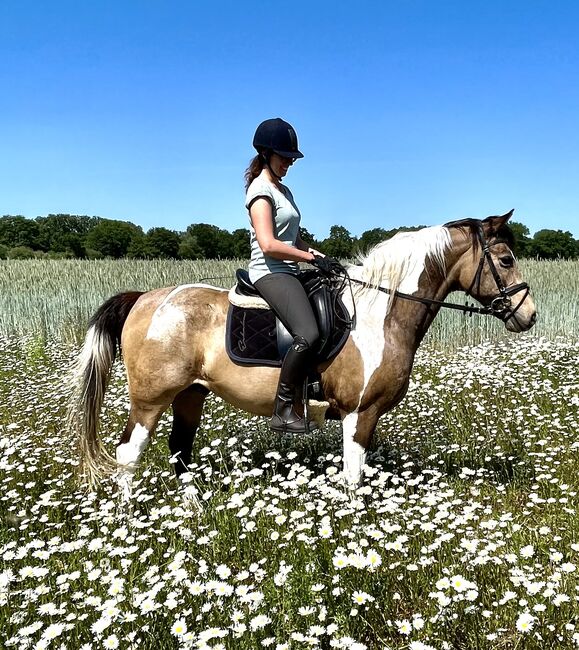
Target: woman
(276, 249)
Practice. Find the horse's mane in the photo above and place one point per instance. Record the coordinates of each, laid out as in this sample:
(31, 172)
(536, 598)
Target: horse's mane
(390, 262)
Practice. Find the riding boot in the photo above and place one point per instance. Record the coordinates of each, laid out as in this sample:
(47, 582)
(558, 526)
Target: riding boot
(291, 377)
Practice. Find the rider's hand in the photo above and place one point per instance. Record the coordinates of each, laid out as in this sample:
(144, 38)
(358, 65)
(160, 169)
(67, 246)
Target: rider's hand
(327, 264)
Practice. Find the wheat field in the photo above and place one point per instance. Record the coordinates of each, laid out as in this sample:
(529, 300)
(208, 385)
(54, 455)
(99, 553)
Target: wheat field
(55, 298)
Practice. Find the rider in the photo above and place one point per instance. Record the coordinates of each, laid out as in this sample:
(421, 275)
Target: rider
(276, 249)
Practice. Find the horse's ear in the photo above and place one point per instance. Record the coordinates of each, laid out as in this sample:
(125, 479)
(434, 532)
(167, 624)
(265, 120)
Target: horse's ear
(492, 225)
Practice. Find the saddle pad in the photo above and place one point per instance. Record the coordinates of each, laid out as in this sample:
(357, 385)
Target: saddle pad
(248, 302)
(250, 337)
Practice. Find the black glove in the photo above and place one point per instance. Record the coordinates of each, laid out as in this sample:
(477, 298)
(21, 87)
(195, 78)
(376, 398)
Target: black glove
(327, 265)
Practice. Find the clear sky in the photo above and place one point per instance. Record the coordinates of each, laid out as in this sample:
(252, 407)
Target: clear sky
(408, 112)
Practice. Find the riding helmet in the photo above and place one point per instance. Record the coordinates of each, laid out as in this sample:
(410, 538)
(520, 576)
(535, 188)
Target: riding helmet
(278, 136)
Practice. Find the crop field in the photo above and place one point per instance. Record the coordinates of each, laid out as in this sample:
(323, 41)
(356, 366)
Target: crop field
(464, 534)
(50, 298)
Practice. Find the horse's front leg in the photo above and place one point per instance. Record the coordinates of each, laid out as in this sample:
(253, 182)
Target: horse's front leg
(357, 430)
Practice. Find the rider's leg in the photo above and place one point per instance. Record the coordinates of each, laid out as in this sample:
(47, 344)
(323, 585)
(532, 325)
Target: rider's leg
(286, 296)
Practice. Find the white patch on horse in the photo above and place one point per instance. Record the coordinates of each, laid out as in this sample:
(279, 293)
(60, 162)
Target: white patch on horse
(169, 318)
(354, 454)
(166, 320)
(128, 455)
(368, 335)
(396, 264)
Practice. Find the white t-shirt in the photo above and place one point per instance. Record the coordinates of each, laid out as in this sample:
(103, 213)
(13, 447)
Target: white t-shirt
(286, 222)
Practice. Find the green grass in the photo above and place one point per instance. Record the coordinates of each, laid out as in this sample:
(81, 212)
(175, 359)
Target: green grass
(55, 298)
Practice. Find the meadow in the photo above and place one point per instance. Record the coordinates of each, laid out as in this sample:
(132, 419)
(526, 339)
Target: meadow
(463, 535)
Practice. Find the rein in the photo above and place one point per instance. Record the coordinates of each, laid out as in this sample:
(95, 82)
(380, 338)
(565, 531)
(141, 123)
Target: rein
(467, 309)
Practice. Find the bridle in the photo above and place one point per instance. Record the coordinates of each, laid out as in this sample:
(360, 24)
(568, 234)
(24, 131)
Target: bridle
(499, 306)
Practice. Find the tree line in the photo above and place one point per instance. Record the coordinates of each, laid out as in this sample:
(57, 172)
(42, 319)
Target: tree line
(84, 237)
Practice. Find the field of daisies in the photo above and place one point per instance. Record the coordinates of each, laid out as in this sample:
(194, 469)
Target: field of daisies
(464, 534)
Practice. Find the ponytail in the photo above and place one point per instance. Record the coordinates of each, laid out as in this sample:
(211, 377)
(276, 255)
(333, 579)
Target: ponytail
(255, 168)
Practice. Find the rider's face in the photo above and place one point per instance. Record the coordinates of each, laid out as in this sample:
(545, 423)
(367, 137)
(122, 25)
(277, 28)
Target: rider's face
(280, 165)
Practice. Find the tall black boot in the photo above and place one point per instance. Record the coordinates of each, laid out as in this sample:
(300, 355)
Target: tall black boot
(293, 373)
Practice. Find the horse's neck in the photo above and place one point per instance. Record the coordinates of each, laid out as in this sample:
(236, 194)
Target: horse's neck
(405, 322)
(412, 319)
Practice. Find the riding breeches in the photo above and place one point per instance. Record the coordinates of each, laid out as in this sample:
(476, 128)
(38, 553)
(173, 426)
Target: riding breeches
(286, 296)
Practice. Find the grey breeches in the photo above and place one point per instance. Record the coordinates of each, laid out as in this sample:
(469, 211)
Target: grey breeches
(286, 296)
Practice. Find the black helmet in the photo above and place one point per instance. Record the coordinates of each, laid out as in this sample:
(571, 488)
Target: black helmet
(278, 136)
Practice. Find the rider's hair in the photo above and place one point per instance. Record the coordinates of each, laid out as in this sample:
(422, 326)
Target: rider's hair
(255, 168)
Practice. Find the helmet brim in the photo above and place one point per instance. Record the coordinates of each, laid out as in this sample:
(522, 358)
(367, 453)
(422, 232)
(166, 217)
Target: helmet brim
(289, 154)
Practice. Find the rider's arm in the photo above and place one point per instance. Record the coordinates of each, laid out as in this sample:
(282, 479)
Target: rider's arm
(262, 220)
(303, 246)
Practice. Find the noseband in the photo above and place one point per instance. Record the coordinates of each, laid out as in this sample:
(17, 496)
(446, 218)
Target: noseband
(501, 305)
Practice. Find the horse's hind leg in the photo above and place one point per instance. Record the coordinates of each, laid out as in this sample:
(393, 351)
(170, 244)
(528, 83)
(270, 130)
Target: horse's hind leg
(187, 409)
(143, 419)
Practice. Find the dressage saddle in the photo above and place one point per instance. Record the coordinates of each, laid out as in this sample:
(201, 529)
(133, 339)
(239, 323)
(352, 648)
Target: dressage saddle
(255, 336)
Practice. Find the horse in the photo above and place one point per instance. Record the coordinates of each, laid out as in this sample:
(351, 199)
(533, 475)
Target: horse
(173, 344)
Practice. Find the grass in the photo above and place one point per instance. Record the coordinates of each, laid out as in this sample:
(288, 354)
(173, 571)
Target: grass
(463, 535)
(35, 300)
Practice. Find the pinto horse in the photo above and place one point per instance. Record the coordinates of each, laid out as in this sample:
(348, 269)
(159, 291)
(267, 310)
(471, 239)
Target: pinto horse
(173, 344)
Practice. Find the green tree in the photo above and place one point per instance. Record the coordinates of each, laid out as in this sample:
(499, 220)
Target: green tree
(240, 243)
(21, 253)
(553, 244)
(138, 247)
(522, 238)
(307, 236)
(16, 231)
(111, 238)
(162, 243)
(65, 232)
(189, 249)
(340, 243)
(370, 238)
(212, 241)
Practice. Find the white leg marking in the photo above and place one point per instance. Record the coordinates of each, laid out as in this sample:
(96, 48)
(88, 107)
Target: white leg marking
(354, 454)
(128, 455)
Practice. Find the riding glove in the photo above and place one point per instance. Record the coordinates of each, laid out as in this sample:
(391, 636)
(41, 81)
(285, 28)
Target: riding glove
(327, 264)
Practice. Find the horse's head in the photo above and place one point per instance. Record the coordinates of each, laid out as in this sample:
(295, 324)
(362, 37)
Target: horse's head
(488, 271)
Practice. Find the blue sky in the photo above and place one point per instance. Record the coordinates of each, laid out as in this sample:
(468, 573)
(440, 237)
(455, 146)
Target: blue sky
(408, 112)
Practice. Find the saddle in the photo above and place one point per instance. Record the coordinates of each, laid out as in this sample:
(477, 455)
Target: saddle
(256, 337)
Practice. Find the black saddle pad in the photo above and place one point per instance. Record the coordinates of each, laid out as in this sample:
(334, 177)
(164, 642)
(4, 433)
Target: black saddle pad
(251, 337)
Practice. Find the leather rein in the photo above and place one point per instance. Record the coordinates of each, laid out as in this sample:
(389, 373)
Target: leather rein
(499, 306)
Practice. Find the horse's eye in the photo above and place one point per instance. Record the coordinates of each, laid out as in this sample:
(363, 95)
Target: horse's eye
(507, 260)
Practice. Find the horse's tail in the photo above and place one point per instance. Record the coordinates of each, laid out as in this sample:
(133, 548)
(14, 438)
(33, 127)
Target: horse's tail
(89, 382)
